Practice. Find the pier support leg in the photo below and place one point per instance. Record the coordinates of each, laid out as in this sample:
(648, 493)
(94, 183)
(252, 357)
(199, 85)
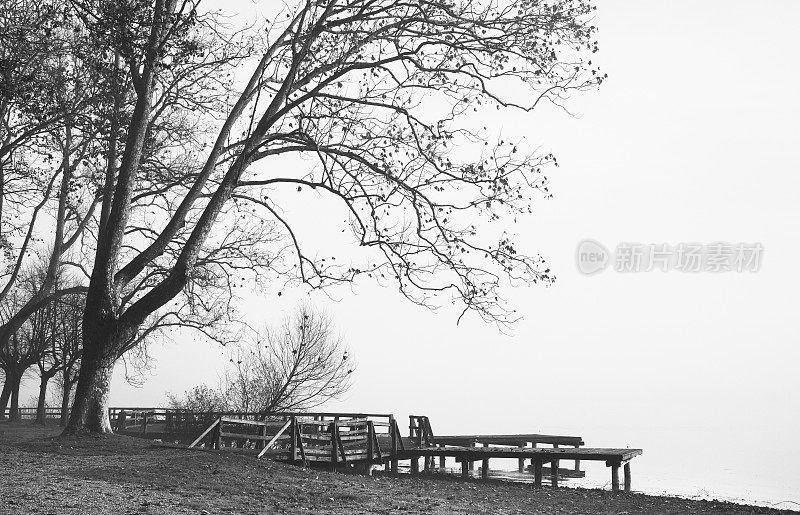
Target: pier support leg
(537, 473)
(428, 463)
(521, 461)
(394, 467)
(627, 470)
(577, 462)
(465, 465)
(415, 465)
(472, 463)
(485, 465)
(442, 462)
(615, 477)
(554, 473)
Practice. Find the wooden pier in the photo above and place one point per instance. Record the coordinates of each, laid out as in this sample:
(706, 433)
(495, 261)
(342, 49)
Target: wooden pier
(364, 440)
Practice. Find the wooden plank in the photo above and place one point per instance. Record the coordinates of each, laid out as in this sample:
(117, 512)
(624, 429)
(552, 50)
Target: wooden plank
(351, 438)
(353, 422)
(318, 452)
(246, 436)
(274, 438)
(510, 439)
(229, 420)
(203, 435)
(323, 439)
(545, 454)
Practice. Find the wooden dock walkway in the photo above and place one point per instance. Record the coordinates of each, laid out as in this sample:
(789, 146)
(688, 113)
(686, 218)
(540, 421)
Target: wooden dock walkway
(363, 440)
(613, 458)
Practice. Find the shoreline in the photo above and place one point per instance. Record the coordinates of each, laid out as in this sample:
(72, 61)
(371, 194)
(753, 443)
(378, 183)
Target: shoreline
(42, 473)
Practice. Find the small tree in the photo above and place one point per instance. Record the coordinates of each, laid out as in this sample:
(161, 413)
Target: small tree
(299, 366)
(200, 399)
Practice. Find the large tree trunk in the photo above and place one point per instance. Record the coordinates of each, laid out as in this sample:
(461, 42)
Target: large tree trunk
(4, 397)
(90, 409)
(13, 414)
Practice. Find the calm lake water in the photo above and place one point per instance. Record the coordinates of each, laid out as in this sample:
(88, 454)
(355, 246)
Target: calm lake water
(598, 476)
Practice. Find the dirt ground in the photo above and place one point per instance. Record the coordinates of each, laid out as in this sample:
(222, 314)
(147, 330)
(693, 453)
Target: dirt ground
(44, 474)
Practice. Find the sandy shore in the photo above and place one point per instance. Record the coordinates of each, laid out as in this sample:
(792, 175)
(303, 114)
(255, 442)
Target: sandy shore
(41, 473)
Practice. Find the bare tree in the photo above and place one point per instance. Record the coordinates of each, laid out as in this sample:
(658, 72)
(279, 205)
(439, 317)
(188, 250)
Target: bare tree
(43, 329)
(379, 93)
(69, 346)
(51, 90)
(299, 366)
(23, 350)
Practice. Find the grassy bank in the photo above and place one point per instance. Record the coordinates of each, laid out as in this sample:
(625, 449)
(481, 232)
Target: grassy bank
(41, 473)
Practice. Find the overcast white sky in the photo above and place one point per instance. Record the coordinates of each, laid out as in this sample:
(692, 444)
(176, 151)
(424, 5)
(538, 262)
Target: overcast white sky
(693, 138)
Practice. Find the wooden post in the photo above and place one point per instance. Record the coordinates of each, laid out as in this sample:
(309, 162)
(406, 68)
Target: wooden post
(521, 461)
(370, 437)
(121, 420)
(294, 439)
(537, 473)
(472, 463)
(465, 465)
(615, 477)
(627, 471)
(441, 459)
(415, 465)
(334, 447)
(485, 465)
(217, 437)
(395, 436)
(577, 462)
(554, 469)
(144, 423)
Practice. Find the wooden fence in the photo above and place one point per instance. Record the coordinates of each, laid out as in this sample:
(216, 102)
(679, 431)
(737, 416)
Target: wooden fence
(307, 437)
(30, 413)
